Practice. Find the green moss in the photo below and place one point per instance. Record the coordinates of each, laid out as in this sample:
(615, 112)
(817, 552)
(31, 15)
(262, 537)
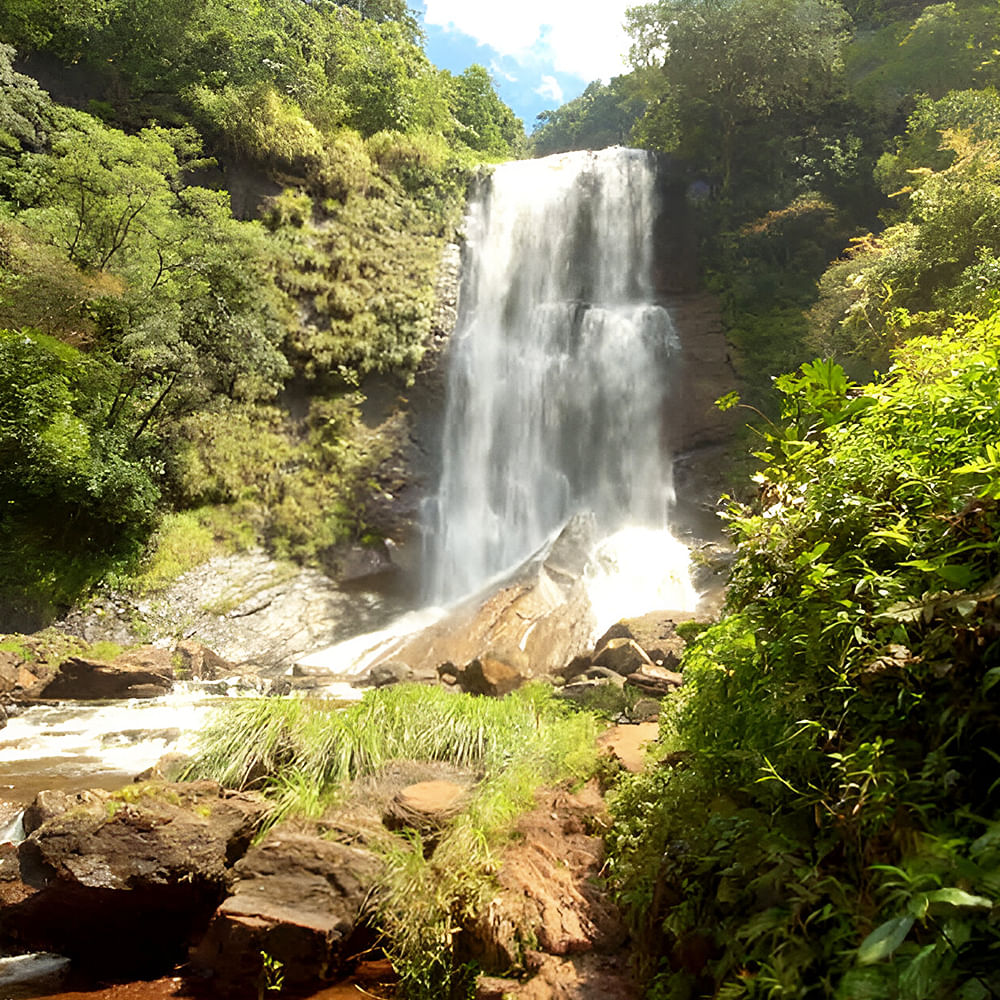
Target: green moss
(104, 651)
(18, 648)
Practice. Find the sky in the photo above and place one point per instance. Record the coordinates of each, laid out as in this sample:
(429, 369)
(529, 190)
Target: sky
(540, 53)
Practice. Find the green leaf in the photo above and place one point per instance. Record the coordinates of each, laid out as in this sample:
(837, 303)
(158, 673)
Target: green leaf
(958, 897)
(917, 979)
(884, 940)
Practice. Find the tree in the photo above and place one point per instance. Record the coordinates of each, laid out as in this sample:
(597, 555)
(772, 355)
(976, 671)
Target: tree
(941, 258)
(728, 64)
(486, 124)
(603, 115)
(195, 312)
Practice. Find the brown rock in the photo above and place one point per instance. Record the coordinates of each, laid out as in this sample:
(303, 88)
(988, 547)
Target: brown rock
(9, 664)
(390, 672)
(655, 633)
(550, 887)
(540, 618)
(622, 655)
(50, 803)
(151, 658)
(645, 710)
(301, 900)
(656, 681)
(201, 663)
(83, 679)
(120, 883)
(495, 988)
(576, 666)
(489, 677)
(425, 805)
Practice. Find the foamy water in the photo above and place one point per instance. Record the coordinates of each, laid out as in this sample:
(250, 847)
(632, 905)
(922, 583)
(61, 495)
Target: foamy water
(637, 570)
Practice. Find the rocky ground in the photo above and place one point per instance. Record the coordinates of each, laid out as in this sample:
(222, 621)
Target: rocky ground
(160, 875)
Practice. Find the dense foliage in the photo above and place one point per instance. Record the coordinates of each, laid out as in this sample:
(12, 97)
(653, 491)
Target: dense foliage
(825, 822)
(161, 327)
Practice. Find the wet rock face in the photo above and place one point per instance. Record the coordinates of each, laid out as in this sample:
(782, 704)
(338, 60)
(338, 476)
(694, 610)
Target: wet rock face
(299, 899)
(533, 623)
(122, 882)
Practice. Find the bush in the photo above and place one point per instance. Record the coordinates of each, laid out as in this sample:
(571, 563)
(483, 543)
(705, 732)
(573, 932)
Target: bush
(827, 825)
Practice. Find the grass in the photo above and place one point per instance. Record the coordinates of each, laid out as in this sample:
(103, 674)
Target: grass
(187, 539)
(304, 754)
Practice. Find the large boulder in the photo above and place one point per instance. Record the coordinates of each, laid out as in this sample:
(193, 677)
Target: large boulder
(623, 656)
(488, 676)
(655, 633)
(537, 620)
(122, 882)
(196, 661)
(299, 899)
(86, 679)
(9, 664)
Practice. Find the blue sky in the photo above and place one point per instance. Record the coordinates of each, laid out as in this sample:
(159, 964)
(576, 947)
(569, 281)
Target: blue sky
(541, 53)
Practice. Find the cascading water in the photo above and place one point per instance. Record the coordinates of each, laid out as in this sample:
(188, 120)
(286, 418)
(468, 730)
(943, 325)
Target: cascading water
(558, 371)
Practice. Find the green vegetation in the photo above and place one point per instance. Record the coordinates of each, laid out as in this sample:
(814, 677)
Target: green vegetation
(303, 755)
(148, 333)
(826, 824)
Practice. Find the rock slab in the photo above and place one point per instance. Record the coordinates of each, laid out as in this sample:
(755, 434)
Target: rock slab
(300, 899)
(121, 882)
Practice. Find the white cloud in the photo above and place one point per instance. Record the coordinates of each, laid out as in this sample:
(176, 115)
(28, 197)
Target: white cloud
(498, 71)
(550, 88)
(587, 43)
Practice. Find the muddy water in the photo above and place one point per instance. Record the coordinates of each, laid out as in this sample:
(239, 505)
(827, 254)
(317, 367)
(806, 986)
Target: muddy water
(75, 745)
(372, 979)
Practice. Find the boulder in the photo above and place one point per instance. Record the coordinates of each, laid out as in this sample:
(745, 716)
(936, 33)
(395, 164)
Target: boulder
(576, 666)
(645, 710)
(3, 717)
(655, 633)
(426, 805)
(151, 658)
(301, 900)
(538, 619)
(170, 767)
(491, 677)
(596, 688)
(9, 664)
(122, 882)
(49, 803)
(200, 663)
(622, 655)
(656, 682)
(390, 672)
(84, 679)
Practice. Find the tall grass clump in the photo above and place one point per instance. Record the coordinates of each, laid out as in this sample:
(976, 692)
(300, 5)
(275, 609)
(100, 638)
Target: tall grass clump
(304, 754)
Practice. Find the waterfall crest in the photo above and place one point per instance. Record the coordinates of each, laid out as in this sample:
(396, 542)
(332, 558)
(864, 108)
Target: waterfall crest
(558, 369)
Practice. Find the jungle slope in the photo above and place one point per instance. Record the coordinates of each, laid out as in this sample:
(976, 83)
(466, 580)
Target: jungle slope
(167, 366)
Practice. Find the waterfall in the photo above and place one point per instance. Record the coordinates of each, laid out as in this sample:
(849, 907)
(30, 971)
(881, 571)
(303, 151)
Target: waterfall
(558, 370)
